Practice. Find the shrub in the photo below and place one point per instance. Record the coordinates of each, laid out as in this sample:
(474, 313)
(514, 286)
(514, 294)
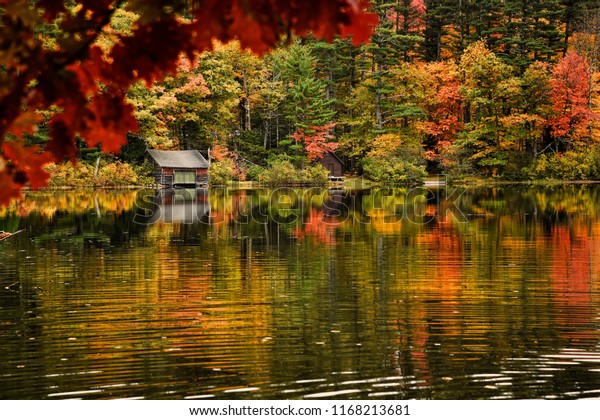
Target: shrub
(254, 173)
(145, 173)
(116, 174)
(113, 174)
(69, 175)
(280, 172)
(569, 166)
(592, 162)
(580, 165)
(539, 168)
(220, 172)
(315, 175)
(392, 169)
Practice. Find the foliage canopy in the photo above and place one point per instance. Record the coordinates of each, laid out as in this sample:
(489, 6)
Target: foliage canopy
(65, 58)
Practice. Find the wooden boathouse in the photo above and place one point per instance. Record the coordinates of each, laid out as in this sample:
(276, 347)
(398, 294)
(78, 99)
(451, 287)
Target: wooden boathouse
(179, 168)
(334, 165)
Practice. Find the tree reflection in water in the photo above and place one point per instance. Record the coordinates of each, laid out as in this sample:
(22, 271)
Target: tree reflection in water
(393, 293)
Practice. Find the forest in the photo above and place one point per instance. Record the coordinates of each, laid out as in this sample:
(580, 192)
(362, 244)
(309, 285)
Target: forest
(494, 89)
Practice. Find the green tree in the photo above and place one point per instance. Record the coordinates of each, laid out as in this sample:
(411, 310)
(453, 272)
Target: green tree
(306, 105)
(440, 14)
(222, 107)
(383, 53)
(488, 90)
(269, 101)
(452, 25)
(574, 13)
(528, 126)
(359, 123)
(247, 71)
(408, 22)
(530, 32)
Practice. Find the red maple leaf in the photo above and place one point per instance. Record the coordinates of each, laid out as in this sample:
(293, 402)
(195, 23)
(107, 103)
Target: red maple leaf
(27, 164)
(108, 122)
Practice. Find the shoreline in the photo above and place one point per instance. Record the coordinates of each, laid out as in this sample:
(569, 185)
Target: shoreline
(350, 183)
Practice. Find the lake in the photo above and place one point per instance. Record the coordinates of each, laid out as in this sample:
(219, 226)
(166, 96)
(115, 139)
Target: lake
(427, 293)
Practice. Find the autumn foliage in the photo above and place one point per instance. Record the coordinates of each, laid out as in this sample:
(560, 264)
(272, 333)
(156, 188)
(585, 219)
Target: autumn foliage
(426, 93)
(316, 140)
(82, 86)
(570, 90)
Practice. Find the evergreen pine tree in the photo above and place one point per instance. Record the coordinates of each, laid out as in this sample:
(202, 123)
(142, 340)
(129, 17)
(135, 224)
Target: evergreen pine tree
(530, 32)
(306, 105)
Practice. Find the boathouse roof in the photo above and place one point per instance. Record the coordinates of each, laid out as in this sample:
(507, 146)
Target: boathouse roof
(182, 159)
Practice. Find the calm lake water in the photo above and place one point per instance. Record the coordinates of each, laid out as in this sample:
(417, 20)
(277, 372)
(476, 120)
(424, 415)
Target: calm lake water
(292, 294)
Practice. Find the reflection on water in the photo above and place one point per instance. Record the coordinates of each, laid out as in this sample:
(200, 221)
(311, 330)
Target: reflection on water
(390, 293)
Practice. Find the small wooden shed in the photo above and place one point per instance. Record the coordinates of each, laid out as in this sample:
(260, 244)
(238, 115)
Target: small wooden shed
(179, 168)
(333, 164)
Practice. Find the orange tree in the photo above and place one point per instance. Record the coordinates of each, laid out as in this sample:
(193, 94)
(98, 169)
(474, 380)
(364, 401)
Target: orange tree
(53, 67)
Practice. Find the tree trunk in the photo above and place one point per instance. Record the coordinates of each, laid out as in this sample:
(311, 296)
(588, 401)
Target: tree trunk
(247, 119)
(277, 131)
(328, 88)
(97, 167)
(378, 113)
(266, 136)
